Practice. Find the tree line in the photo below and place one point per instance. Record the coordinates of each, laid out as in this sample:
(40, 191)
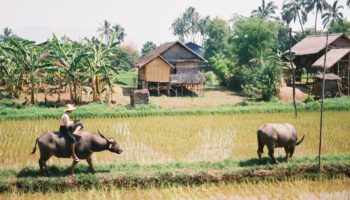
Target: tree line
(245, 52)
(89, 66)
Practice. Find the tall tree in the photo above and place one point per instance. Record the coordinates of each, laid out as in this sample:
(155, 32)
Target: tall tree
(202, 27)
(318, 5)
(147, 47)
(292, 10)
(189, 25)
(105, 30)
(265, 10)
(119, 33)
(179, 28)
(7, 32)
(218, 35)
(342, 26)
(332, 14)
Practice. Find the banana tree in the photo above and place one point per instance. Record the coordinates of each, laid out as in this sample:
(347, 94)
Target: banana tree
(33, 59)
(10, 72)
(99, 63)
(68, 65)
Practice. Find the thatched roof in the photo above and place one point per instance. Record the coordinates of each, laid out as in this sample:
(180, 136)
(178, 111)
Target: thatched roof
(333, 56)
(159, 51)
(329, 76)
(313, 44)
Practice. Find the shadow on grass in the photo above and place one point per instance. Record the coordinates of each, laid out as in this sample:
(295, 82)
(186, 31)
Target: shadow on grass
(56, 171)
(255, 162)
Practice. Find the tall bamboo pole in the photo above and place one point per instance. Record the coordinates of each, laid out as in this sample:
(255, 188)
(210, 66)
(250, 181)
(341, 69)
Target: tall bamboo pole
(292, 65)
(322, 97)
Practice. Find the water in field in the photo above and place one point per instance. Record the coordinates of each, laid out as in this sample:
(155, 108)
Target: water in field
(325, 190)
(163, 139)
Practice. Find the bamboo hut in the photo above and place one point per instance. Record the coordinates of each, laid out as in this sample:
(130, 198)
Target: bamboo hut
(171, 66)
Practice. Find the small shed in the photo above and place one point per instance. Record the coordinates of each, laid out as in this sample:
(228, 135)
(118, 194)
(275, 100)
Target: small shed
(337, 62)
(332, 85)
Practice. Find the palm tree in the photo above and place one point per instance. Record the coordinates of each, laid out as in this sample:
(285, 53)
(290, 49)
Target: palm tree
(265, 10)
(291, 10)
(7, 32)
(318, 5)
(333, 14)
(179, 28)
(105, 30)
(119, 33)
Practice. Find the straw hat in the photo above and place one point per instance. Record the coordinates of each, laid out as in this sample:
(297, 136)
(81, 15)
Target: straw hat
(69, 107)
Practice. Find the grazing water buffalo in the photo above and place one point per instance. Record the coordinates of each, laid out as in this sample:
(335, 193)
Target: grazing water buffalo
(54, 144)
(275, 136)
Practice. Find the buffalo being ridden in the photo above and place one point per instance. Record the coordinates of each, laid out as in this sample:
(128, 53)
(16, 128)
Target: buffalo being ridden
(55, 144)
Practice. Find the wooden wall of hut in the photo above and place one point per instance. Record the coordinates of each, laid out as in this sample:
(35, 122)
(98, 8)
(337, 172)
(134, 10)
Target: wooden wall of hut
(341, 43)
(156, 71)
(188, 66)
(177, 52)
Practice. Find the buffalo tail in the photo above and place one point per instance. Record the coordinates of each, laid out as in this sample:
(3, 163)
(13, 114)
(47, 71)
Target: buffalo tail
(36, 142)
(300, 141)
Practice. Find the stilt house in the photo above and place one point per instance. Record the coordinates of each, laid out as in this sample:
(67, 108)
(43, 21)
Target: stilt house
(169, 67)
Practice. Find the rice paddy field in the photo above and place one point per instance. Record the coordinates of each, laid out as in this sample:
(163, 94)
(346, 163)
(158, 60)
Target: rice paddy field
(165, 139)
(301, 189)
(188, 139)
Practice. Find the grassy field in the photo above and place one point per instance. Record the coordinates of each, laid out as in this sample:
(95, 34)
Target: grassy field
(12, 111)
(127, 79)
(164, 139)
(294, 189)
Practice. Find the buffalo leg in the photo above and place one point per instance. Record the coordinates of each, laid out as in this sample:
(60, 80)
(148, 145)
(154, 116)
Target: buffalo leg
(42, 163)
(260, 151)
(287, 150)
(271, 153)
(291, 152)
(89, 161)
(72, 168)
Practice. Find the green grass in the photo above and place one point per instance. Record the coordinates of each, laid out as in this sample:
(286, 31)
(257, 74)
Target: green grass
(127, 79)
(173, 174)
(11, 111)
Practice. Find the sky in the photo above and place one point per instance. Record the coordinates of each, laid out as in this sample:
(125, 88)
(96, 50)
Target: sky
(143, 20)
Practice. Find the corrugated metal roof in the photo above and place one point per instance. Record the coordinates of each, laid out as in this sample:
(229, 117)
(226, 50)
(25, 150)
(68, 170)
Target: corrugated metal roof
(333, 56)
(313, 44)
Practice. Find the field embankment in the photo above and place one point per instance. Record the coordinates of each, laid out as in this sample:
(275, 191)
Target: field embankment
(173, 174)
(9, 110)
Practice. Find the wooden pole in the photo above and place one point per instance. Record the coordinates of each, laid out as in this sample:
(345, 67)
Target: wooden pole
(348, 73)
(322, 97)
(292, 65)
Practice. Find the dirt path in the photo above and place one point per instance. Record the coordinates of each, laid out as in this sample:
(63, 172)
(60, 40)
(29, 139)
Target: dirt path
(213, 96)
(286, 94)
